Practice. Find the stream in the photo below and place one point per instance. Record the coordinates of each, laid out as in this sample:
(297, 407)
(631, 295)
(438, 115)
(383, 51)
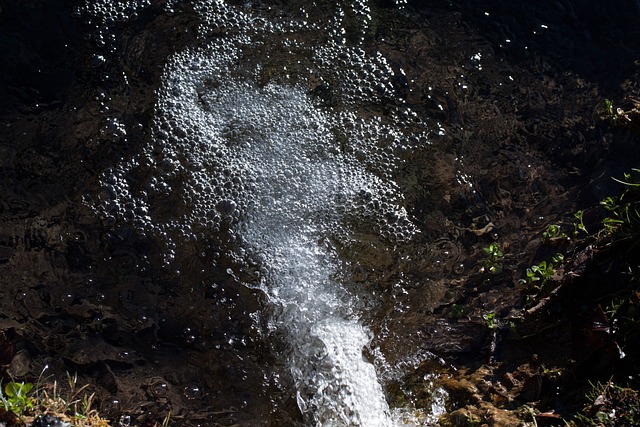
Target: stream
(267, 213)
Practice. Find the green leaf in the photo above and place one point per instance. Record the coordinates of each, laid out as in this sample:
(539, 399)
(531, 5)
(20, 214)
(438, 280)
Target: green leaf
(18, 390)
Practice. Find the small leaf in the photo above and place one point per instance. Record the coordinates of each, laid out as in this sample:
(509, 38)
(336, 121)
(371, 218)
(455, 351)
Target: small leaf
(14, 389)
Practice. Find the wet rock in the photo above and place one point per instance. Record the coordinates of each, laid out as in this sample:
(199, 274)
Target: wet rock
(483, 414)
(461, 389)
(8, 418)
(20, 365)
(464, 417)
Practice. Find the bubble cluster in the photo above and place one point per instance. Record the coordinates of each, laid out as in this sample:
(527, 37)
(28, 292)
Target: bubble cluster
(270, 175)
(109, 12)
(221, 18)
(361, 78)
(224, 149)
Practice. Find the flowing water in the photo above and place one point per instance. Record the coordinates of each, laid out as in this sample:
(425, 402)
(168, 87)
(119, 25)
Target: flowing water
(243, 147)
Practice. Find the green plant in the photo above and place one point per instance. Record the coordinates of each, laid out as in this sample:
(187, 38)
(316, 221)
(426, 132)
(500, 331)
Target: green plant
(579, 226)
(617, 116)
(538, 275)
(493, 255)
(457, 311)
(17, 397)
(613, 307)
(623, 222)
(490, 320)
(609, 405)
(553, 232)
(70, 403)
(541, 272)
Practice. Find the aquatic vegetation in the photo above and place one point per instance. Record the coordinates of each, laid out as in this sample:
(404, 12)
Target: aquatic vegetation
(615, 115)
(541, 272)
(538, 275)
(553, 232)
(579, 225)
(490, 320)
(628, 117)
(493, 255)
(457, 311)
(620, 117)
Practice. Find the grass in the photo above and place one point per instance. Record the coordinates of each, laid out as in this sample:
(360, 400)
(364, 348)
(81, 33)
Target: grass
(622, 225)
(23, 402)
(609, 405)
(614, 402)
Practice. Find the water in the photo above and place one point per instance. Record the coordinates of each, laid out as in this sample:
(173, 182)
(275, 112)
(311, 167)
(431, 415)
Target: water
(211, 208)
(242, 148)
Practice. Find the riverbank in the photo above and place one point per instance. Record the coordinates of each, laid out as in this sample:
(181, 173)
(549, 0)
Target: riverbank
(567, 351)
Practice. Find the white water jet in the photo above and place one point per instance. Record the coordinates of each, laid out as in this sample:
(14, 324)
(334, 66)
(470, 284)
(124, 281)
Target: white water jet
(272, 157)
(298, 189)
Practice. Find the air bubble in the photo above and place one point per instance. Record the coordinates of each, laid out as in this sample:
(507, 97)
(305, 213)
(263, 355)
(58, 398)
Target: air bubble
(192, 392)
(67, 298)
(124, 421)
(97, 60)
(159, 388)
(111, 406)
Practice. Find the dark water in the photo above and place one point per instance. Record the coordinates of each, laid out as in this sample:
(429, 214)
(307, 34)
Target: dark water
(261, 213)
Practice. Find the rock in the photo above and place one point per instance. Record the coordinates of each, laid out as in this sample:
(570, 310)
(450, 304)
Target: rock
(464, 417)
(484, 414)
(460, 389)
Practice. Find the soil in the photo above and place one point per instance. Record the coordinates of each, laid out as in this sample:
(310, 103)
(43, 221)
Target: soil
(517, 90)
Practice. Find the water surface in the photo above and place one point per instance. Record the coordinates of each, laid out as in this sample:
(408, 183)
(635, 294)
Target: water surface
(263, 214)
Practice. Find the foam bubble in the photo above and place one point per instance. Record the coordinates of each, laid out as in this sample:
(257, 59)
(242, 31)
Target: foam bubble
(109, 12)
(266, 170)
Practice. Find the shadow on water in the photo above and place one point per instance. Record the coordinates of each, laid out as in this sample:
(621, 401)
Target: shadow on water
(508, 90)
(40, 55)
(595, 41)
